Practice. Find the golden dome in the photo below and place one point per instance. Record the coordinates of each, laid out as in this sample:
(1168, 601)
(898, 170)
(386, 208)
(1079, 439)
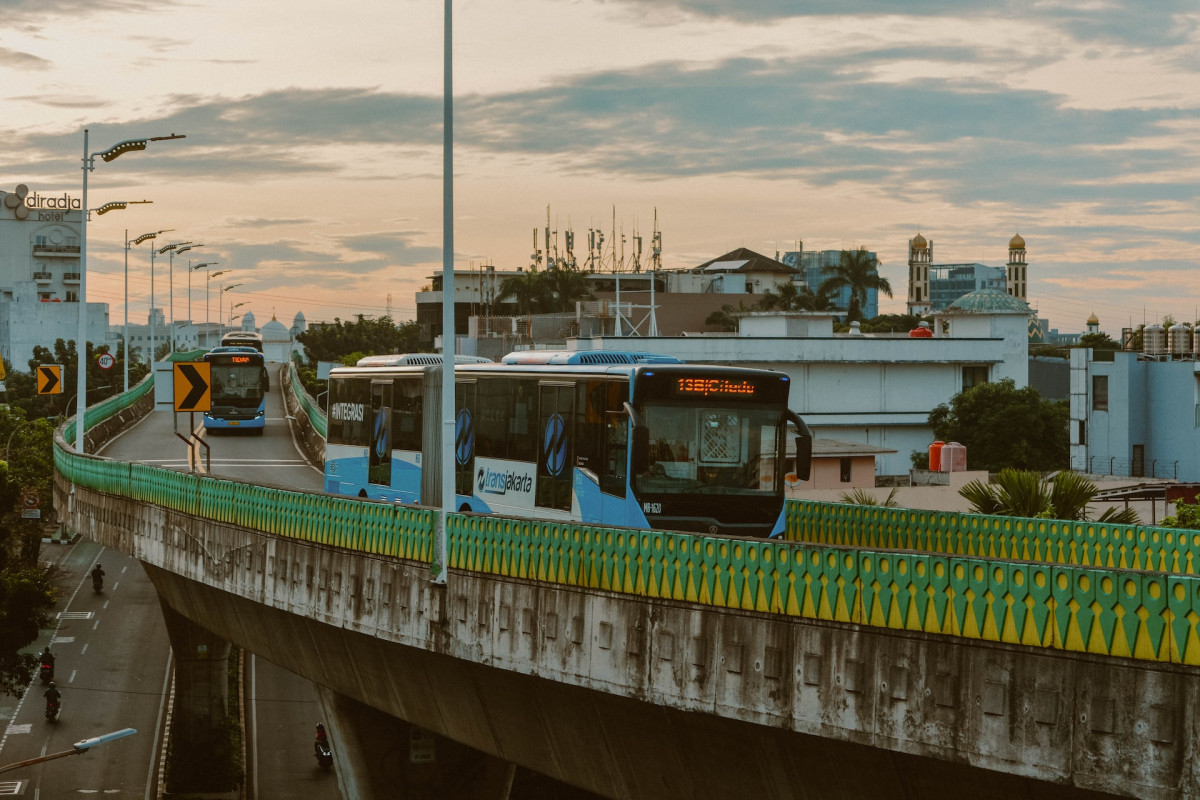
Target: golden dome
(1093, 319)
(919, 243)
(1016, 243)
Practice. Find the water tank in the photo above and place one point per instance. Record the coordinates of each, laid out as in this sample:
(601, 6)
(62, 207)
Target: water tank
(935, 455)
(1179, 340)
(954, 457)
(1154, 340)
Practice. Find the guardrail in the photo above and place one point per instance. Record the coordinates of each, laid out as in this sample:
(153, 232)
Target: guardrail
(875, 568)
(316, 416)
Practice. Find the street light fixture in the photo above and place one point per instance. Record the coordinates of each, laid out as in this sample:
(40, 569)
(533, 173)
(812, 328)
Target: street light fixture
(76, 749)
(208, 276)
(89, 164)
(144, 237)
(232, 306)
(170, 248)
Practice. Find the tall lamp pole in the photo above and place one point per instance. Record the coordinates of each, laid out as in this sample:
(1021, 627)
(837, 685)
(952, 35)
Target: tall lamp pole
(171, 284)
(204, 266)
(168, 248)
(225, 289)
(208, 276)
(233, 306)
(89, 164)
(441, 556)
(138, 240)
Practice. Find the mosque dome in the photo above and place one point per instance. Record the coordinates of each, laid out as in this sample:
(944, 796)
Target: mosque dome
(1016, 243)
(1093, 319)
(989, 301)
(919, 243)
(275, 331)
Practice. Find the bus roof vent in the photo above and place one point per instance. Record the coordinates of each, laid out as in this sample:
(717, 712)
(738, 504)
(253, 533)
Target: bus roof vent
(416, 359)
(587, 357)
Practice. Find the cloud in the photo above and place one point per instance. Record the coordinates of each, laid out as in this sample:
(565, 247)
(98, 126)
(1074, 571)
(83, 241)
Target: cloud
(16, 59)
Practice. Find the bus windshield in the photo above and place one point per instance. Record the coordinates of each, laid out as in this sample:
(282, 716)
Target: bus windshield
(237, 381)
(718, 449)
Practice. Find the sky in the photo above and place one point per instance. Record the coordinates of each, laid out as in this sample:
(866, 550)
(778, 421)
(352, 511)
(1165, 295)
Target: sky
(312, 167)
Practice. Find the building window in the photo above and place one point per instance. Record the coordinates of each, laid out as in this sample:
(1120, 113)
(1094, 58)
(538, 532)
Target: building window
(846, 471)
(973, 376)
(1099, 393)
(72, 297)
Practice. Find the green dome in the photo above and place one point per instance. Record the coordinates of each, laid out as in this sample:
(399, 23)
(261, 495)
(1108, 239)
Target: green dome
(989, 301)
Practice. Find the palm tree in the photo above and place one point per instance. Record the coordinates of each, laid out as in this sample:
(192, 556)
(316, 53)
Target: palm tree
(859, 272)
(790, 298)
(1023, 493)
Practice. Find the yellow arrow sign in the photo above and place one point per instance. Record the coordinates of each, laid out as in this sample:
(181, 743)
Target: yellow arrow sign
(49, 379)
(193, 386)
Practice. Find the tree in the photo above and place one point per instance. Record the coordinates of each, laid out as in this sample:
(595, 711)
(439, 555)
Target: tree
(790, 298)
(726, 318)
(25, 598)
(547, 291)
(1024, 493)
(1003, 426)
(858, 272)
(1099, 341)
(330, 341)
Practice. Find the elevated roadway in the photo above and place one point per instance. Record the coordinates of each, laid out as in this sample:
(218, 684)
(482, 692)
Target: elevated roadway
(667, 665)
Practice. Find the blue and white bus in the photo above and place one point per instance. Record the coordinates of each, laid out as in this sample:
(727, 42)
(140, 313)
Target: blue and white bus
(608, 438)
(239, 384)
(243, 339)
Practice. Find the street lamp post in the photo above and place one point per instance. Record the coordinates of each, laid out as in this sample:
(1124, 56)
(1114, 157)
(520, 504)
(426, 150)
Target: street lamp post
(169, 248)
(442, 556)
(89, 164)
(225, 289)
(171, 284)
(138, 240)
(76, 749)
(204, 266)
(208, 276)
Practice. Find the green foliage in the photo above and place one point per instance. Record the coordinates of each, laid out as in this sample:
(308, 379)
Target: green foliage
(546, 291)
(859, 272)
(214, 763)
(1003, 426)
(331, 341)
(1099, 341)
(790, 298)
(861, 497)
(726, 319)
(1023, 493)
(919, 459)
(26, 597)
(1187, 515)
(892, 323)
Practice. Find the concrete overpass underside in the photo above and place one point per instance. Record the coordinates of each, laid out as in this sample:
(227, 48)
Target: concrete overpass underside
(636, 697)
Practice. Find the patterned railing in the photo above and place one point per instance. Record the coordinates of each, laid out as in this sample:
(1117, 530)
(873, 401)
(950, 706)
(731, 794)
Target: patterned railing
(315, 415)
(877, 568)
(1083, 544)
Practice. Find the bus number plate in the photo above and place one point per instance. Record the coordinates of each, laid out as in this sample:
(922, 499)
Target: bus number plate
(651, 508)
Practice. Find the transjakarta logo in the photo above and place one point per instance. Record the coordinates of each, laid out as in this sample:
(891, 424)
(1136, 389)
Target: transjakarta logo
(350, 412)
(492, 481)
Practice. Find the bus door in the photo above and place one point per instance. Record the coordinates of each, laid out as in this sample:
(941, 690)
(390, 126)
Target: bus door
(464, 438)
(555, 466)
(379, 455)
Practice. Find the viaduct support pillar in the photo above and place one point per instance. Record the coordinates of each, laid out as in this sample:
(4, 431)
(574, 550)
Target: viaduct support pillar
(380, 757)
(202, 718)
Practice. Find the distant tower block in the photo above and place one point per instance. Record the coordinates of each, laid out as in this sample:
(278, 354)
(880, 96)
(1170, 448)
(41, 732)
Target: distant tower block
(920, 257)
(1018, 282)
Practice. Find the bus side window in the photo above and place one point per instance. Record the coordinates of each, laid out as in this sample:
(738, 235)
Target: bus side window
(266, 380)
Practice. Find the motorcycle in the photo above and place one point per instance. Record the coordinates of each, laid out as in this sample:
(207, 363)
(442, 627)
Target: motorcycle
(53, 707)
(46, 673)
(97, 583)
(324, 755)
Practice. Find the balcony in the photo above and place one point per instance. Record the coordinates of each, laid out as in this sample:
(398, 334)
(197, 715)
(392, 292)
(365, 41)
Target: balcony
(43, 277)
(56, 250)
(70, 277)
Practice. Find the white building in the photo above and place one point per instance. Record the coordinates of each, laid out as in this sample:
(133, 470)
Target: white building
(40, 275)
(871, 389)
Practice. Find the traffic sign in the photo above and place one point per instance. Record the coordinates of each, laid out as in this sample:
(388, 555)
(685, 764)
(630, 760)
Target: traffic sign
(105, 361)
(193, 386)
(49, 379)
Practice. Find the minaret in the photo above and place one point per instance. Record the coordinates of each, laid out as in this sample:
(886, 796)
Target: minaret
(1018, 282)
(1093, 324)
(920, 257)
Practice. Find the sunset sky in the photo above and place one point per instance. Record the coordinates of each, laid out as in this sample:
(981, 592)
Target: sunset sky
(312, 164)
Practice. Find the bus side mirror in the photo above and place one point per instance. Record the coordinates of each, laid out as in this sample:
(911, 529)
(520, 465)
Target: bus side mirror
(803, 457)
(640, 458)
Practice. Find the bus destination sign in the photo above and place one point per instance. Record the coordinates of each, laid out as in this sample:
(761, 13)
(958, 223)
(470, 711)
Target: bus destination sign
(714, 387)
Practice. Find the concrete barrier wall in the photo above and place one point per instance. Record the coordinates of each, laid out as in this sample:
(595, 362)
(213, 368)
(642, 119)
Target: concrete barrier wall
(643, 697)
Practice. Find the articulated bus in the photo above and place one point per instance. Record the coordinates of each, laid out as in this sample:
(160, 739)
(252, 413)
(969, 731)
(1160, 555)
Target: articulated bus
(243, 339)
(608, 438)
(239, 385)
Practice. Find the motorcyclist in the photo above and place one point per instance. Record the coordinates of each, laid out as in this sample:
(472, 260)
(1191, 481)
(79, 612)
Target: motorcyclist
(97, 574)
(48, 659)
(321, 739)
(53, 696)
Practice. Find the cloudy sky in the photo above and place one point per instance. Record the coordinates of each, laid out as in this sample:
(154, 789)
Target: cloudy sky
(312, 164)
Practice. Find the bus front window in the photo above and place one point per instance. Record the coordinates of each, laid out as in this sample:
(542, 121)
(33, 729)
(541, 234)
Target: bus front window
(712, 450)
